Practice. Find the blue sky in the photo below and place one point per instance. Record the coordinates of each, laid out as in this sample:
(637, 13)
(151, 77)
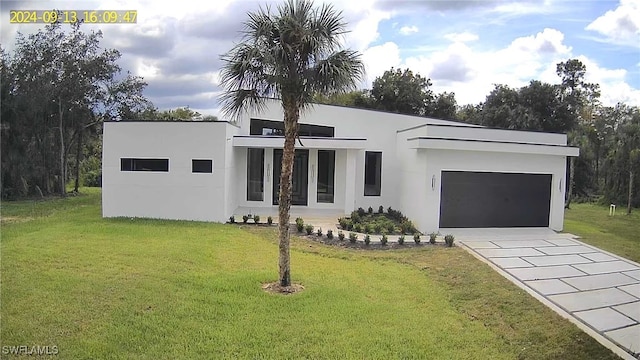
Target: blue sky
(463, 46)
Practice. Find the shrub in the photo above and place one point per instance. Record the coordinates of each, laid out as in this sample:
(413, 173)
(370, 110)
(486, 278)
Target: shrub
(432, 237)
(319, 232)
(367, 228)
(256, 219)
(416, 238)
(361, 212)
(357, 227)
(343, 222)
(92, 178)
(384, 239)
(269, 220)
(329, 234)
(381, 209)
(406, 227)
(309, 229)
(401, 240)
(232, 219)
(349, 225)
(391, 227)
(245, 218)
(367, 239)
(299, 224)
(370, 210)
(340, 235)
(355, 217)
(353, 237)
(448, 239)
(377, 227)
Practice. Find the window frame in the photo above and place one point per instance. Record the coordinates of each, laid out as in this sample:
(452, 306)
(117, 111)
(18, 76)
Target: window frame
(377, 183)
(144, 165)
(207, 169)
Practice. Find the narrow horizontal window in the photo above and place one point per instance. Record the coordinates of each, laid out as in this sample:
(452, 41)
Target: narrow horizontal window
(155, 165)
(201, 166)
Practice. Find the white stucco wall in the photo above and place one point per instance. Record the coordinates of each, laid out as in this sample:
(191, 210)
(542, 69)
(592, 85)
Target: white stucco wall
(448, 160)
(379, 128)
(178, 193)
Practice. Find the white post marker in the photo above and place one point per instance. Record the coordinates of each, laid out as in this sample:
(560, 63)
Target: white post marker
(612, 210)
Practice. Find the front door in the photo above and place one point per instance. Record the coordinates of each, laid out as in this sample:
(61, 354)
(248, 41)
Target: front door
(300, 176)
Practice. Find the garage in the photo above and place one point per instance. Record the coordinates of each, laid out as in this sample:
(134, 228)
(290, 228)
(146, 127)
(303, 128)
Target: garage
(493, 199)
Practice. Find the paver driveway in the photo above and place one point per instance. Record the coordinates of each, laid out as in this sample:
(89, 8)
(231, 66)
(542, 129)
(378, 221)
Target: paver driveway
(598, 290)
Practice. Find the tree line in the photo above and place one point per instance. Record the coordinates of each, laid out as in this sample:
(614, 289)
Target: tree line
(608, 136)
(57, 87)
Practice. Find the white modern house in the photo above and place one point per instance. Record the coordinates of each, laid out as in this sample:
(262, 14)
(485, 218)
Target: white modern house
(440, 174)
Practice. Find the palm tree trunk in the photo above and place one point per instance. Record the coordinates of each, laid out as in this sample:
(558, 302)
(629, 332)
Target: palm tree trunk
(572, 167)
(630, 192)
(291, 114)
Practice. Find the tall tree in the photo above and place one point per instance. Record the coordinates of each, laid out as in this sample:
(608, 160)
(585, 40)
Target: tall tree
(577, 95)
(56, 85)
(402, 91)
(293, 53)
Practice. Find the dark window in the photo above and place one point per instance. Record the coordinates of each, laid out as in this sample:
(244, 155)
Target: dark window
(201, 166)
(372, 173)
(276, 128)
(255, 174)
(157, 165)
(326, 170)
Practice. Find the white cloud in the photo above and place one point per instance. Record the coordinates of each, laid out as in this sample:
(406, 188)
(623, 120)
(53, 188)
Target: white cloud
(461, 37)
(622, 25)
(408, 30)
(365, 30)
(378, 59)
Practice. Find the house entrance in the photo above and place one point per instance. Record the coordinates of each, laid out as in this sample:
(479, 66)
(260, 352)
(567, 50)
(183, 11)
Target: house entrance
(300, 179)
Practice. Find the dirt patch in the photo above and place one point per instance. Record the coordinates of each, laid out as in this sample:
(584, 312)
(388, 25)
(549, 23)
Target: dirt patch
(275, 288)
(14, 219)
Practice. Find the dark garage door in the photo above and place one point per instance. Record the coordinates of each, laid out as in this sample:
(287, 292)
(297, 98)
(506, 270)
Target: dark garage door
(484, 199)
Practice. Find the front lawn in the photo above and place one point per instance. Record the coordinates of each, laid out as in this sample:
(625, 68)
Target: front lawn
(619, 234)
(151, 289)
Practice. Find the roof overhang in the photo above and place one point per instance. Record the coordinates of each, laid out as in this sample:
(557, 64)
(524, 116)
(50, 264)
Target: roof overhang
(492, 146)
(309, 142)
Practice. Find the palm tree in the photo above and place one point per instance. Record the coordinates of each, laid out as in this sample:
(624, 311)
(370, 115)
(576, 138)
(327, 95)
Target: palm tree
(293, 54)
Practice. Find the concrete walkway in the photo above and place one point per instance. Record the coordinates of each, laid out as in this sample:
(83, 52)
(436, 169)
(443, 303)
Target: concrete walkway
(596, 290)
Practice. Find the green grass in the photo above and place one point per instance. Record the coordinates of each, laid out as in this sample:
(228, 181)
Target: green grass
(619, 234)
(152, 289)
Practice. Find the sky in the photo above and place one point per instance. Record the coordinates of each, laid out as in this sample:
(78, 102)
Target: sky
(464, 47)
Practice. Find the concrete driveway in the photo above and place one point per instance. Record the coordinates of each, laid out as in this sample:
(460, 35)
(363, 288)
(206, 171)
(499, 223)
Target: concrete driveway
(596, 290)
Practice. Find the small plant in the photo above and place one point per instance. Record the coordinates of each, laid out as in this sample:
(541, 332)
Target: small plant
(299, 224)
(357, 227)
(416, 238)
(377, 227)
(232, 219)
(448, 239)
(407, 227)
(340, 235)
(309, 229)
(245, 218)
(367, 239)
(329, 234)
(319, 232)
(367, 228)
(370, 210)
(343, 222)
(353, 237)
(361, 212)
(269, 220)
(381, 209)
(401, 240)
(384, 239)
(355, 217)
(256, 219)
(391, 227)
(349, 225)
(432, 237)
